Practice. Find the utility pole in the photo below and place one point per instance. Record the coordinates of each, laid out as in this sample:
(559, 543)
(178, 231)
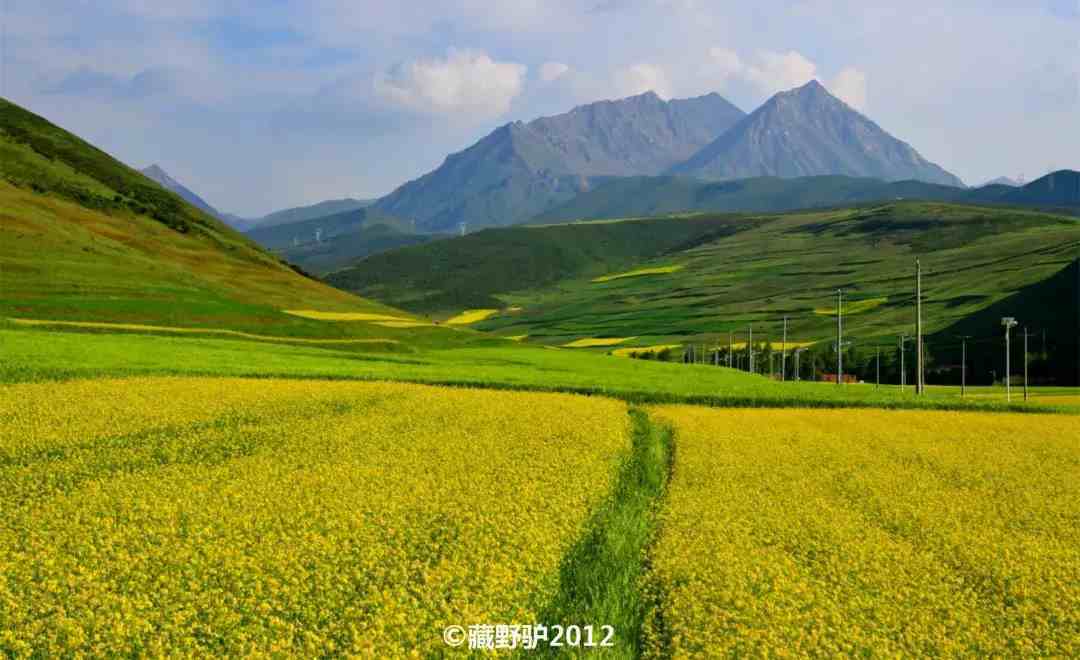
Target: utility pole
(963, 366)
(1026, 335)
(920, 382)
(1008, 322)
(903, 372)
(730, 347)
(877, 360)
(750, 350)
(783, 354)
(798, 375)
(839, 336)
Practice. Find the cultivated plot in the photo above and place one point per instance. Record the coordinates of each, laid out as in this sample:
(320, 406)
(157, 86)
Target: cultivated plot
(869, 532)
(237, 517)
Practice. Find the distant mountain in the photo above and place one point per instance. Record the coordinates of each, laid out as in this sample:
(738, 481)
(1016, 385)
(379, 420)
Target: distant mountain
(647, 196)
(320, 245)
(156, 174)
(522, 169)
(286, 216)
(1057, 189)
(806, 132)
(320, 210)
(304, 231)
(1002, 181)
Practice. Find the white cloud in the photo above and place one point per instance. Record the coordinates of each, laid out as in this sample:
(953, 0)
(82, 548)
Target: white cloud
(725, 63)
(850, 86)
(550, 71)
(641, 78)
(769, 72)
(466, 81)
(773, 72)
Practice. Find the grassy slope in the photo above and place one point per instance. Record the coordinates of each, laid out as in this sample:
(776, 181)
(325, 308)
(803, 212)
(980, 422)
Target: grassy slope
(788, 264)
(637, 196)
(85, 238)
(447, 276)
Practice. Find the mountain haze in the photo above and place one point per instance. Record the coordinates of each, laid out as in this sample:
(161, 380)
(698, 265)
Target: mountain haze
(521, 169)
(806, 132)
(312, 211)
(323, 244)
(160, 176)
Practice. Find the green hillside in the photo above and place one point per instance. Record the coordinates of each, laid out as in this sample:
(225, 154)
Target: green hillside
(474, 271)
(696, 278)
(644, 196)
(86, 239)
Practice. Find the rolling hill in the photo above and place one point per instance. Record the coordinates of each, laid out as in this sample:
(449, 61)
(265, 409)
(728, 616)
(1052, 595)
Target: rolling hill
(807, 132)
(645, 196)
(1060, 189)
(85, 239)
(696, 278)
(522, 169)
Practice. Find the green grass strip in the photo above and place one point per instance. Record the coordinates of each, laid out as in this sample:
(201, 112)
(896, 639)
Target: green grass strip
(602, 577)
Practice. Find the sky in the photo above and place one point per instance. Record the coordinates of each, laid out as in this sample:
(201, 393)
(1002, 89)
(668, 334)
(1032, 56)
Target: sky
(258, 106)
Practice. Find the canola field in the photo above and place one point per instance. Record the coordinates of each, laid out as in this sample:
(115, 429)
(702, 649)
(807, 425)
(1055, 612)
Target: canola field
(208, 517)
(851, 532)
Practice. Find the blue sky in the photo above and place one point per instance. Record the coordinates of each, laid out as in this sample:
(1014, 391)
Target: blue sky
(263, 105)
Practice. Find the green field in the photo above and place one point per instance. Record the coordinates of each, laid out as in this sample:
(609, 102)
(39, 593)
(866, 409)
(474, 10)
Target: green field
(40, 354)
(732, 271)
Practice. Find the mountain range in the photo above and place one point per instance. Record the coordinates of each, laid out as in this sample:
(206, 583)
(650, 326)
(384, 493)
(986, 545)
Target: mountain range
(324, 243)
(522, 169)
(298, 214)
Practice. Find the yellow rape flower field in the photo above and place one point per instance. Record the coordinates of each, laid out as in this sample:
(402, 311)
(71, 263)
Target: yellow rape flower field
(593, 342)
(191, 516)
(471, 316)
(849, 532)
(657, 270)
